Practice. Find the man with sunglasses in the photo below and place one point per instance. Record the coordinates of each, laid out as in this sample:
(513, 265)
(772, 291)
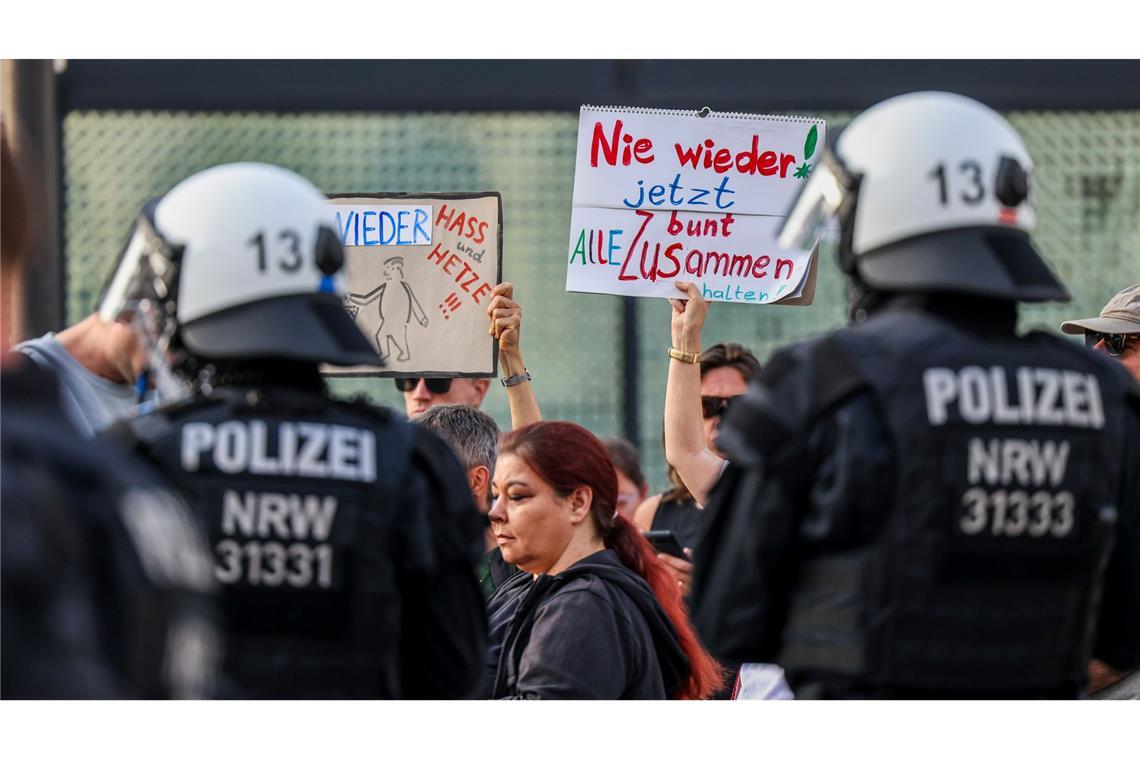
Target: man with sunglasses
(1116, 331)
(927, 503)
(422, 393)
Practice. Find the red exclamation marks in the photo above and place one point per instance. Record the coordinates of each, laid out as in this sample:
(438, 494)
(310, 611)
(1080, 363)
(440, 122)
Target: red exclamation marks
(450, 304)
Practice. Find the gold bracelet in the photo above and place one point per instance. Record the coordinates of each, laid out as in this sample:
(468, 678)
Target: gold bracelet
(684, 356)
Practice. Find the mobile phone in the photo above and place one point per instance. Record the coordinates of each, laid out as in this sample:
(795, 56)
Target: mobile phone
(665, 541)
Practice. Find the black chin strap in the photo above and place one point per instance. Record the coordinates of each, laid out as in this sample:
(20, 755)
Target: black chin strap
(862, 299)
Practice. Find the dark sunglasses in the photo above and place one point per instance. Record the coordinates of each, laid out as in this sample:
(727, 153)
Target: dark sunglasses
(435, 385)
(714, 406)
(1113, 342)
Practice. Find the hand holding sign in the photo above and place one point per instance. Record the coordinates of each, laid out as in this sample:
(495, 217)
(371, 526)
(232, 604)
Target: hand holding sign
(688, 317)
(506, 327)
(506, 318)
(661, 196)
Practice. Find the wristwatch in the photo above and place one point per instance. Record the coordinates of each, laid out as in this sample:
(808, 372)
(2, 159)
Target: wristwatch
(514, 380)
(684, 356)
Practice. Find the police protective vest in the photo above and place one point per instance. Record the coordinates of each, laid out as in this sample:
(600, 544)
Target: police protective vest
(985, 574)
(317, 511)
(988, 567)
(108, 591)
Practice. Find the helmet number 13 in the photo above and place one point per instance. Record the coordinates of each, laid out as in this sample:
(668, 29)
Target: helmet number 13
(288, 256)
(971, 172)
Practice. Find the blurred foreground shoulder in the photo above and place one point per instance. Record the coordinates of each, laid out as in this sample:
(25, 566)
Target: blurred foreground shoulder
(795, 388)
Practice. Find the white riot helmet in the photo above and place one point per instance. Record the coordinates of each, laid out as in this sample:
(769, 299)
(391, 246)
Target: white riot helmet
(932, 192)
(237, 262)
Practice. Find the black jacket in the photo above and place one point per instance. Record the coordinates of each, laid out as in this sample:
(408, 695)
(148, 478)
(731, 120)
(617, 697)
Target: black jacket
(106, 576)
(787, 561)
(345, 538)
(594, 631)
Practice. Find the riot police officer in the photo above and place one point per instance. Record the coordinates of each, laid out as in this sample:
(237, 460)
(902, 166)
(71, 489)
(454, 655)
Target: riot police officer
(345, 538)
(108, 589)
(927, 503)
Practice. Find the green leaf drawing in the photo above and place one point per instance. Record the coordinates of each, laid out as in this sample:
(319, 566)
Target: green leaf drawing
(809, 143)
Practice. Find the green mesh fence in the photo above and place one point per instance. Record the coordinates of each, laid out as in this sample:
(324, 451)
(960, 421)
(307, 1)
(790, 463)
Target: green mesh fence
(1088, 202)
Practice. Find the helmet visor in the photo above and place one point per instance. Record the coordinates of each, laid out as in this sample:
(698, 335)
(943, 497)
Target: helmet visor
(123, 286)
(145, 271)
(815, 208)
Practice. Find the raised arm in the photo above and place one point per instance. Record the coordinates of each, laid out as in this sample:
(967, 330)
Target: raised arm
(506, 327)
(685, 448)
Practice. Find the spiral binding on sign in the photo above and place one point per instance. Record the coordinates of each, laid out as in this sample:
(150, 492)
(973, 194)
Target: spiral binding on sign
(698, 113)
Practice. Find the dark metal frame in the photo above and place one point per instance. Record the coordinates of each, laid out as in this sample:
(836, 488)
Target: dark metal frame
(34, 127)
(563, 85)
(805, 86)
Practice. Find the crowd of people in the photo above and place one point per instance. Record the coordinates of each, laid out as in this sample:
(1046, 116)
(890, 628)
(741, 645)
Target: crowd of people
(922, 504)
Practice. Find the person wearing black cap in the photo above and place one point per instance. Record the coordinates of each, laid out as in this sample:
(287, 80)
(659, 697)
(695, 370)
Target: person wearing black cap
(927, 504)
(345, 538)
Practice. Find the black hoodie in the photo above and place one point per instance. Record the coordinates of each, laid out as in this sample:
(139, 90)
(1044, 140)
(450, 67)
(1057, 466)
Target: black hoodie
(594, 631)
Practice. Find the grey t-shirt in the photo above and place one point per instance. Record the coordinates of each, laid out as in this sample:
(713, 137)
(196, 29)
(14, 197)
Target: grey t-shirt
(1126, 688)
(90, 401)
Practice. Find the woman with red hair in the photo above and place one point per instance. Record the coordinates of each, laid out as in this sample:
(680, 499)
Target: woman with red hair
(595, 615)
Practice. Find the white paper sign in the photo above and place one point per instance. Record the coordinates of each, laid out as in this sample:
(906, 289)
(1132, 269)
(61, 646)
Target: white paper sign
(666, 196)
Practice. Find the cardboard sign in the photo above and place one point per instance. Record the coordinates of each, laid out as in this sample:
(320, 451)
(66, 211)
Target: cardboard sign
(419, 273)
(667, 196)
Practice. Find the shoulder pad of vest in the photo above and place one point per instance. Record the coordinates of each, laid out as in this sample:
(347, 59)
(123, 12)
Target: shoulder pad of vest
(1065, 344)
(795, 387)
(1072, 347)
(150, 427)
(144, 429)
(1110, 365)
(193, 404)
(359, 403)
(153, 425)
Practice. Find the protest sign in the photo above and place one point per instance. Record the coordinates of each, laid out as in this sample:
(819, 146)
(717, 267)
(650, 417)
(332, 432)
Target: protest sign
(667, 196)
(419, 273)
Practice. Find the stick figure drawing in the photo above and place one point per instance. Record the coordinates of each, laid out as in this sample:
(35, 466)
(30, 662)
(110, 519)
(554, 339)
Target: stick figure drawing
(401, 302)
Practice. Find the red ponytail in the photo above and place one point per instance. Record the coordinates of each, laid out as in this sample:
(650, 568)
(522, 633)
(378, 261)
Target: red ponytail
(544, 446)
(706, 675)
